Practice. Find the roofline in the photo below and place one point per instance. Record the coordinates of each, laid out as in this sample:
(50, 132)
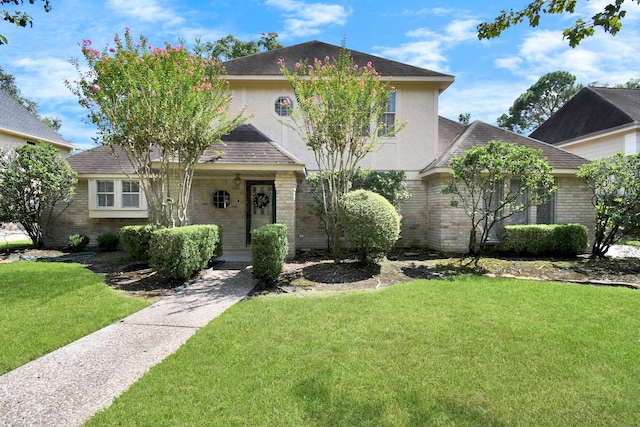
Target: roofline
(443, 81)
(599, 134)
(445, 170)
(39, 138)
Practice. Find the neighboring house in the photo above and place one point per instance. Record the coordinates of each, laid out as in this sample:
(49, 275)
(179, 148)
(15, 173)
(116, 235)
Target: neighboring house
(18, 126)
(260, 176)
(596, 122)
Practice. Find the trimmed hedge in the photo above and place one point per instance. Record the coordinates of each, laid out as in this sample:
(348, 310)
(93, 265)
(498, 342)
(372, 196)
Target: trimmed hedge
(544, 239)
(371, 224)
(181, 251)
(135, 241)
(269, 248)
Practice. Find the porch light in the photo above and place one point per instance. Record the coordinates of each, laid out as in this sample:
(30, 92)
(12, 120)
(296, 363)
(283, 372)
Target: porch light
(237, 180)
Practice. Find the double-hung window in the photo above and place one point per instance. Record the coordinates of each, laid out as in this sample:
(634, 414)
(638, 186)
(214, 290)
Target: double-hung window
(130, 194)
(116, 198)
(389, 117)
(105, 194)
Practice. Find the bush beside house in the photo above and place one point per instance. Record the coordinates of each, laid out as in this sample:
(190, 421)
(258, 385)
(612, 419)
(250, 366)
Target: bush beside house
(269, 248)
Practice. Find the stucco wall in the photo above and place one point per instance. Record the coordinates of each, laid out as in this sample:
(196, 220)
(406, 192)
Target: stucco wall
(413, 147)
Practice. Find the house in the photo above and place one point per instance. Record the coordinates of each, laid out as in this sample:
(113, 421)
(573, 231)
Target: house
(260, 176)
(18, 126)
(597, 122)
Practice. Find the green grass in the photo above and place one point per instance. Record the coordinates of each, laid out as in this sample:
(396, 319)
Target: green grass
(467, 351)
(631, 242)
(17, 244)
(45, 306)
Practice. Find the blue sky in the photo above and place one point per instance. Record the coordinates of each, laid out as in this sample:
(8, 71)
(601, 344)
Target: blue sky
(438, 35)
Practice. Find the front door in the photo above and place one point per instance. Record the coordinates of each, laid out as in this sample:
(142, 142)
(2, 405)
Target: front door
(261, 205)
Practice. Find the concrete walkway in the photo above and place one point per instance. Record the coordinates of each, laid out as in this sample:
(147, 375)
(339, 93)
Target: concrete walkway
(69, 385)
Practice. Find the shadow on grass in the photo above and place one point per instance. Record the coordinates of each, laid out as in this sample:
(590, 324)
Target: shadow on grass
(324, 408)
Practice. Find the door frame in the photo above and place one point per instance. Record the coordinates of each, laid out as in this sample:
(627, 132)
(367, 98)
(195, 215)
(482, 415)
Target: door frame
(248, 204)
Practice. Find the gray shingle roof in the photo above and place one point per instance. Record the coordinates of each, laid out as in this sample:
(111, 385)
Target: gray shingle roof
(592, 110)
(15, 118)
(479, 134)
(267, 63)
(245, 145)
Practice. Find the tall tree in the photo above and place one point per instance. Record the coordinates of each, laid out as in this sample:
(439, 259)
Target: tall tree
(496, 181)
(17, 17)
(609, 19)
(165, 105)
(339, 114)
(615, 183)
(230, 47)
(539, 102)
(33, 179)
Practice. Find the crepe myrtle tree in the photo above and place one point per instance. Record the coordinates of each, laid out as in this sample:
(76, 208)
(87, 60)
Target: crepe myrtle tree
(615, 183)
(339, 114)
(495, 181)
(33, 180)
(163, 107)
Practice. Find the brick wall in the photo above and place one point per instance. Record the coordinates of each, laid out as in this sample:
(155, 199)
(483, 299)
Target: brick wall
(286, 186)
(74, 219)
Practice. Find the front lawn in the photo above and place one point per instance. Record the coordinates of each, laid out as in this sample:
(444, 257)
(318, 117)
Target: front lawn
(45, 306)
(463, 351)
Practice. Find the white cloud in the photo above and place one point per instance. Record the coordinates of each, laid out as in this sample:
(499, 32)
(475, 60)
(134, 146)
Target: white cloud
(305, 19)
(429, 50)
(42, 79)
(601, 58)
(145, 11)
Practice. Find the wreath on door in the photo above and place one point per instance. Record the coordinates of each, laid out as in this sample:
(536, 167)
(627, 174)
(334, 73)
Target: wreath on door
(260, 200)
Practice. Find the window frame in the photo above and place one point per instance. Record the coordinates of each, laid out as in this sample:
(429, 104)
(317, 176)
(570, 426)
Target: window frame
(278, 106)
(118, 208)
(389, 115)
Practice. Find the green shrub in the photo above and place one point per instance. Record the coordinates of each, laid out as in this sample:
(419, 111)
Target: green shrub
(108, 242)
(544, 239)
(371, 224)
(179, 252)
(269, 247)
(77, 242)
(135, 241)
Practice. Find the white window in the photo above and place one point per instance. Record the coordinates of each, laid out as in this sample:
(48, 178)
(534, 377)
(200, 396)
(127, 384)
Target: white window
(130, 194)
(389, 117)
(116, 198)
(105, 194)
(283, 106)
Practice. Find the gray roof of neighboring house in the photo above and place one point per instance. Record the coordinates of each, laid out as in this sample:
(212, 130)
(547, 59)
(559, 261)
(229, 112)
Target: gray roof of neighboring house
(479, 133)
(592, 110)
(17, 119)
(245, 145)
(267, 63)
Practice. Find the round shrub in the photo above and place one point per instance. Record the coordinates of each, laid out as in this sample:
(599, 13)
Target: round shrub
(77, 242)
(371, 224)
(108, 242)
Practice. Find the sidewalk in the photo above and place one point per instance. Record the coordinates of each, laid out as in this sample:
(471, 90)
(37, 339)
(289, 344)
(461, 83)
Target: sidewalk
(69, 385)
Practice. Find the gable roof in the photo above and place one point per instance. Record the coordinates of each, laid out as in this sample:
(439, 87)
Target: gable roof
(17, 120)
(244, 147)
(479, 134)
(268, 63)
(592, 110)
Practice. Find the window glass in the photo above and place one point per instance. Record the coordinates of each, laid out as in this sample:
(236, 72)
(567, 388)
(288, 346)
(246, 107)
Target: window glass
(546, 212)
(221, 199)
(389, 117)
(283, 105)
(105, 195)
(130, 194)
